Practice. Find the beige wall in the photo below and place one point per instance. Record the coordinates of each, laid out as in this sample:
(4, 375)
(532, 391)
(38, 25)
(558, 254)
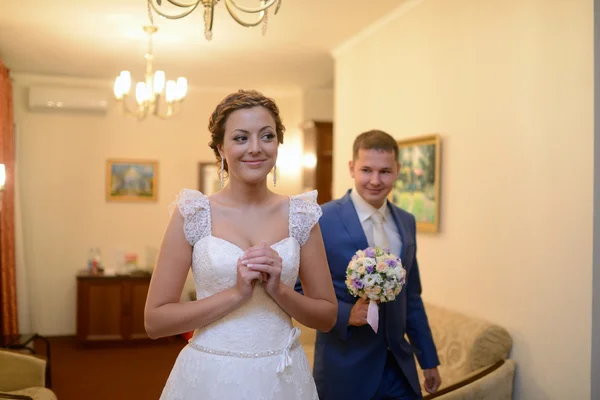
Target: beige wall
(318, 104)
(509, 86)
(596, 268)
(61, 170)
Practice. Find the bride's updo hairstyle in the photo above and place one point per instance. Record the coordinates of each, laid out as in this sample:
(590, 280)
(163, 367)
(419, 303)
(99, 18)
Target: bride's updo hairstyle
(236, 101)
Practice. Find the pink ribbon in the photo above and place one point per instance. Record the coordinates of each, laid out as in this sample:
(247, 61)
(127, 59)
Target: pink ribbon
(373, 315)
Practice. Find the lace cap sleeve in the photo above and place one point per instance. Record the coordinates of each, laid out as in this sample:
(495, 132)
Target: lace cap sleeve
(304, 214)
(194, 207)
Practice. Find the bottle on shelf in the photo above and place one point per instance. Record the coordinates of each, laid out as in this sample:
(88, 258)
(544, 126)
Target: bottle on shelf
(97, 260)
(90, 260)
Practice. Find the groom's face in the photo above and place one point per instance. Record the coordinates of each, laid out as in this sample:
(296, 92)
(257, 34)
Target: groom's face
(374, 173)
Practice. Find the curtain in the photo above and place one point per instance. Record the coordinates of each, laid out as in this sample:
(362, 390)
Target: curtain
(8, 292)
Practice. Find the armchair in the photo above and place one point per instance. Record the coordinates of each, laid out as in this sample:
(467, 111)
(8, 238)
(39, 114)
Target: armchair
(23, 376)
(474, 356)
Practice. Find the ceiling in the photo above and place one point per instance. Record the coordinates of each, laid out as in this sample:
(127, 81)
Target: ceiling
(99, 38)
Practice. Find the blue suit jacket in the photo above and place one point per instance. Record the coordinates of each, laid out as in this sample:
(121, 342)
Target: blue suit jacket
(349, 360)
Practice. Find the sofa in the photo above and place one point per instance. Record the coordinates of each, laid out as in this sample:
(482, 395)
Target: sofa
(473, 355)
(23, 376)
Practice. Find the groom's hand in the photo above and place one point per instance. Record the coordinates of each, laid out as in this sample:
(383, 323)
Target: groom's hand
(432, 380)
(358, 314)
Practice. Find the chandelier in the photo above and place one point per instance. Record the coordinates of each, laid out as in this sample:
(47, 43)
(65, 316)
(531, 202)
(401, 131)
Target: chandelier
(209, 11)
(148, 94)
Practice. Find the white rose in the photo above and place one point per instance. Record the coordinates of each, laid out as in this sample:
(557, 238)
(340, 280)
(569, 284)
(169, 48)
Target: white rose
(373, 280)
(400, 273)
(369, 262)
(373, 296)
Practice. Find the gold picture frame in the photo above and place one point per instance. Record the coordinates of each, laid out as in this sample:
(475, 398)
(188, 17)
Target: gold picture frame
(131, 180)
(417, 189)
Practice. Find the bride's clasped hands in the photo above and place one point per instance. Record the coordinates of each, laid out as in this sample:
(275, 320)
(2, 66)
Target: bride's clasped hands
(266, 261)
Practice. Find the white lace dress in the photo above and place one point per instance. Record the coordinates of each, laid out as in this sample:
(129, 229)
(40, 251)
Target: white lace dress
(252, 353)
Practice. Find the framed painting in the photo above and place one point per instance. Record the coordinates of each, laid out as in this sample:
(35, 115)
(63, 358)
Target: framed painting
(131, 180)
(209, 181)
(417, 189)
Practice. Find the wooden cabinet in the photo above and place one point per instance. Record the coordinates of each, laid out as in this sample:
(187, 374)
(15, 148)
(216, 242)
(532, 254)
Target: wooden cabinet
(111, 308)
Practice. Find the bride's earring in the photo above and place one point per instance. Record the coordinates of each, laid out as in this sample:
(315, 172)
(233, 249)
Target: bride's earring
(275, 175)
(222, 172)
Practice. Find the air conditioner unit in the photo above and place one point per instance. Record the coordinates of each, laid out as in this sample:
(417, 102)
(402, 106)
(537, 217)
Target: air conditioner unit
(68, 99)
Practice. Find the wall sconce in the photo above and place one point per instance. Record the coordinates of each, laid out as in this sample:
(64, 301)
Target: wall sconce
(309, 160)
(290, 156)
(2, 177)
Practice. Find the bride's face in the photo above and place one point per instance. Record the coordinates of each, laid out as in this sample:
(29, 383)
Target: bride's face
(250, 144)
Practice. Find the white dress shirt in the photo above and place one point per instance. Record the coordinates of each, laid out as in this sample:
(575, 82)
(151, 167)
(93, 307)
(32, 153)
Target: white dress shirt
(365, 210)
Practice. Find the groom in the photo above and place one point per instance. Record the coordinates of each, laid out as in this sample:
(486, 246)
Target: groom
(352, 362)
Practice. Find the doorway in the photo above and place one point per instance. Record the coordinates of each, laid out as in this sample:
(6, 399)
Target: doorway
(318, 159)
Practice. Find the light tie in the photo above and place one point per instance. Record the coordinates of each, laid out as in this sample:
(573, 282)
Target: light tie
(380, 238)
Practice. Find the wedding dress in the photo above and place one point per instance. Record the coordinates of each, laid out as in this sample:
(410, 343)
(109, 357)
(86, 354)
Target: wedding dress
(253, 353)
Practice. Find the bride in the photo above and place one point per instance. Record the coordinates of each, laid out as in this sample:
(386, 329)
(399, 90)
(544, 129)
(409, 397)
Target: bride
(246, 246)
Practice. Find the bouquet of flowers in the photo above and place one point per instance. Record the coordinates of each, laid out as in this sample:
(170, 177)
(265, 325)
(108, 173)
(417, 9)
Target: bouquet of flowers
(376, 275)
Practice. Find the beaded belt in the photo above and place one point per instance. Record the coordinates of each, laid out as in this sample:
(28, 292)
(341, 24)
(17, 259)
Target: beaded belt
(284, 362)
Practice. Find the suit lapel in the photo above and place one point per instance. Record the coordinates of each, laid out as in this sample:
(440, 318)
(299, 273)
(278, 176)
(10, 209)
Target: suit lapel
(393, 310)
(351, 223)
(402, 230)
